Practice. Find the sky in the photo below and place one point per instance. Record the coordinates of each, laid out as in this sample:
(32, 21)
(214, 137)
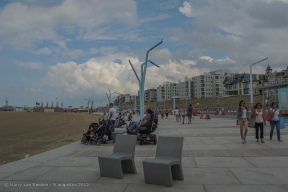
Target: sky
(71, 49)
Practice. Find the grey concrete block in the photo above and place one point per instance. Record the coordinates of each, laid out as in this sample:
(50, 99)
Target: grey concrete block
(222, 162)
(261, 175)
(245, 188)
(70, 174)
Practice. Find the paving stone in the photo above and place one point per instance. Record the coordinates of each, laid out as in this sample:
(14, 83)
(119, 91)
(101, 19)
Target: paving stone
(70, 174)
(203, 147)
(157, 188)
(18, 186)
(258, 176)
(201, 176)
(29, 174)
(222, 162)
(16, 166)
(70, 161)
(245, 188)
(90, 187)
(268, 161)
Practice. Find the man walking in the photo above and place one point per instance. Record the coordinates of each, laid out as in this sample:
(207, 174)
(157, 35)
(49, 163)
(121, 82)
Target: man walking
(112, 117)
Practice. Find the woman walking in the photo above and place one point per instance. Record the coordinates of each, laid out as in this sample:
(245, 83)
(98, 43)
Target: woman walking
(183, 112)
(275, 113)
(189, 114)
(167, 112)
(259, 121)
(242, 116)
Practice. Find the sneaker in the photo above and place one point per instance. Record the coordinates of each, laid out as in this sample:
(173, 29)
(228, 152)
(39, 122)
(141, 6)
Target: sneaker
(270, 138)
(280, 140)
(262, 141)
(243, 141)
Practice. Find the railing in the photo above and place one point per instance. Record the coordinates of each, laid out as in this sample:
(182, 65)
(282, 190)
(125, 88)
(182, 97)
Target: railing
(285, 81)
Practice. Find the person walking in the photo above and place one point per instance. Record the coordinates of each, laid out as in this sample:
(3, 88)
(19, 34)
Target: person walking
(167, 113)
(189, 114)
(176, 112)
(112, 117)
(183, 112)
(243, 116)
(259, 121)
(275, 113)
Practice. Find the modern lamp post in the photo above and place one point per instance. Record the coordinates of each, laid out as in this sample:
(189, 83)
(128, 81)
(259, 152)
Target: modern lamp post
(251, 80)
(143, 76)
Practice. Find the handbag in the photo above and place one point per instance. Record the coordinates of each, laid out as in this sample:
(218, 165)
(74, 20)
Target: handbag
(268, 117)
(282, 123)
(251, 123)
(189, 113)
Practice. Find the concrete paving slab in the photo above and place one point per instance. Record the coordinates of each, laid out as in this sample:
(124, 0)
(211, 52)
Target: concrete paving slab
(203, 147)
(245, 188)
(248, 145)
(70, 174)
(128, 178)
(157, 188)
(17, 186)
(29, 174)
(2, 175)
(201, 176)
(16, 166)
(222, 162)
(268, 161)
(258, 176)
(188, 162)
(70, 162)
(90, 187)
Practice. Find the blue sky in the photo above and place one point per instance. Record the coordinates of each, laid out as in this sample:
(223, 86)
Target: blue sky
(72, 49)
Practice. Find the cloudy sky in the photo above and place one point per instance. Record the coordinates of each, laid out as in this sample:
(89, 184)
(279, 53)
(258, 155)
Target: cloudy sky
(71, 49)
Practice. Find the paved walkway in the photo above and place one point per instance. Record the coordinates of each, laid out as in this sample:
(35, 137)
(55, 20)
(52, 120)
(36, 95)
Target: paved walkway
(214, 159)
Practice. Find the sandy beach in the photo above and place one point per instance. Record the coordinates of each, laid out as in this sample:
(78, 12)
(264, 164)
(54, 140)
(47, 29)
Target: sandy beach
(23, 133)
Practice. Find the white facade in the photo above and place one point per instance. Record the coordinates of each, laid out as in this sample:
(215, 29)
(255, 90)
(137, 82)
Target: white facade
(165, 91)
(184, 88)
(210, 84)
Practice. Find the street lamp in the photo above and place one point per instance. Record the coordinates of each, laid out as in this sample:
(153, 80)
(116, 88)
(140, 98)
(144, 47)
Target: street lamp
(88, 103)
(143, 76)
(251, 80)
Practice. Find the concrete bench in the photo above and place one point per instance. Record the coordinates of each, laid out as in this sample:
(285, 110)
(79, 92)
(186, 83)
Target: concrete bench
(121, 160)
(115, 133)
(167, 164)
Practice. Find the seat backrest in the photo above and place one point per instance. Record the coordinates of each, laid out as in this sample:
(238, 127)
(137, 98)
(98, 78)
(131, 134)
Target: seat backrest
(125, 144)
(170, 147)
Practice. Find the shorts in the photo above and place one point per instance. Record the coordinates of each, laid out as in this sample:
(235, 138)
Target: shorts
(167, 114)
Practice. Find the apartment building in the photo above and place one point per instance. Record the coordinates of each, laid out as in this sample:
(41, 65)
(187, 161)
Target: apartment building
(166, 91)
(239, 84)
(150, 95)
(184, 89)
(210, 84)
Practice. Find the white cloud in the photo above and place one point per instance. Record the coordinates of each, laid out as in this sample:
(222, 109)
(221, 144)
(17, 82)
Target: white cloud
(227, 59)
(29, 65)
(98, 74)
(22, 26)
(188, 10)
(103, 50)
(76, 53)
(43, 51)
(210, 59)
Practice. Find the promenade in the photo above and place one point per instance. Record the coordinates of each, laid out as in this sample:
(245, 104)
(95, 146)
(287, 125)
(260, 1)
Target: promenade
(214, 159)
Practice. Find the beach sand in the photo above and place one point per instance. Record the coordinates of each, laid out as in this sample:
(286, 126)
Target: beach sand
(26, 133)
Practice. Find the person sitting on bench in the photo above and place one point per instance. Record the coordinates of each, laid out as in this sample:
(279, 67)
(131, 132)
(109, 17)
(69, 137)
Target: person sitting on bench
(135, 125)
